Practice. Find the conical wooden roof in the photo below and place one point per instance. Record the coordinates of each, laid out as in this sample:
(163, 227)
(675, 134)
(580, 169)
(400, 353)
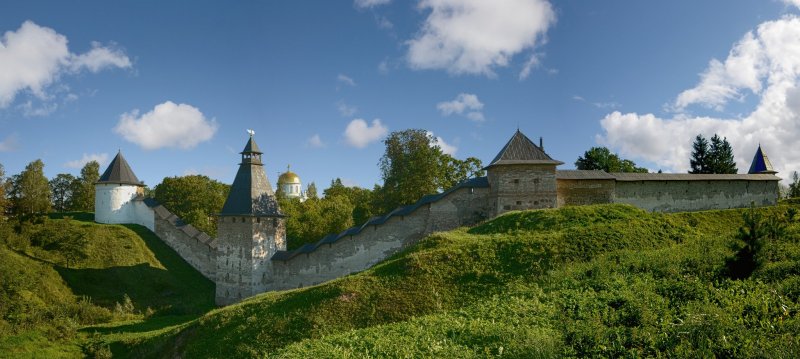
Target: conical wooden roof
(521, 150)
(761, 163)
(251, 193)
(119, 172)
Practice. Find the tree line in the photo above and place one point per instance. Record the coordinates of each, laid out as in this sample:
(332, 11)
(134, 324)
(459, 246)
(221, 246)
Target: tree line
(30, 192)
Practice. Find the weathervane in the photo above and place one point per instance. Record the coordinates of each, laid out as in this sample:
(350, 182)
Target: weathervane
(251, 132)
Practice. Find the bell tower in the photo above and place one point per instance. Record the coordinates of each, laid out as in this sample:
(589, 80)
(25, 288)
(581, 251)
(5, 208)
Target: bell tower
(250, 229)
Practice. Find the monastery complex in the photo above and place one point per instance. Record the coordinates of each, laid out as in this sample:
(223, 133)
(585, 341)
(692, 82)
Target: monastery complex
(249, 255)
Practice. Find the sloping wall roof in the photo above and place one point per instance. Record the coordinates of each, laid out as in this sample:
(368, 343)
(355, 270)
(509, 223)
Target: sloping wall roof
(623, 177)
(583, 174)
(480, 182)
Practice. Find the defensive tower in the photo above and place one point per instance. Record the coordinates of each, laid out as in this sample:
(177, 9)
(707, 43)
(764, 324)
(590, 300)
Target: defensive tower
(115, 192)
(522, 176)
(250, 229)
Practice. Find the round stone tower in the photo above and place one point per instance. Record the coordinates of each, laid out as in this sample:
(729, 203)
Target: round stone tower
(290, 185)
(114, 193)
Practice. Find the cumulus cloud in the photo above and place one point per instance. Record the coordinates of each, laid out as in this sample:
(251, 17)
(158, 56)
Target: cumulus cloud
(101, 158)
(347, 80)
(359, 134)
(465, 104)
(476, 36)
(10, 143)
(315, 141)
(167, 125)
(446, 147)
(34, 57)
(766, 63)
(365, 4)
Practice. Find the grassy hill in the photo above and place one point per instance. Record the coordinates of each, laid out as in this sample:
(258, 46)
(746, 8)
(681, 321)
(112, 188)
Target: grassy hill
(64, 274)
(606, 280)
(600, 281)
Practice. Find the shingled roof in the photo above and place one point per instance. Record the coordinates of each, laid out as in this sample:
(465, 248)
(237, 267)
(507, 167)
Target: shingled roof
(119, 172)
(251, 193)
(761, 163)
(521, 150)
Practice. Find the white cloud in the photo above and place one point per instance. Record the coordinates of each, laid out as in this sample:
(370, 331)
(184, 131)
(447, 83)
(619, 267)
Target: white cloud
(766, 62)
(532, 63)
(167, 125)
(475, 36)
(345, 80)
(792, 2)
(34, 57)
(464, 104)
(359, 134)
(10, 143)
(744, 68)
(315, 142)
(101, 158)
(365, 4)
(100, 58)
(446, 147)
(346, 110)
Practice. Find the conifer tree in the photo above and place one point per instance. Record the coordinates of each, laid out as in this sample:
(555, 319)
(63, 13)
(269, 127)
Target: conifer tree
(721, 156)
(713, 157)
(794, 187)
(699, 159)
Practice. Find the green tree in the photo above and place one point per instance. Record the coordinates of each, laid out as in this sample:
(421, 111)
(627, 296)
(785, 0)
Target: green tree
(83, 187)
(360, 198)
(61, 187)
(712, 157)
(721, 156)
(601, 158)
(794, 187)
(700, 156)
(31, 190)
(196, 199)
(311, 191)
(454, 171)
(410, 167)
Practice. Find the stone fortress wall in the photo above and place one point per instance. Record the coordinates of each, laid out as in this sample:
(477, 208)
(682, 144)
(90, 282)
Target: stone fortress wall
(248, 257)
(361, 247)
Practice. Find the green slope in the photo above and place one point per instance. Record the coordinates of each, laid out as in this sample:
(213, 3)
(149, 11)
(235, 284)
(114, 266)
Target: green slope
(51, 298)
(606, 280)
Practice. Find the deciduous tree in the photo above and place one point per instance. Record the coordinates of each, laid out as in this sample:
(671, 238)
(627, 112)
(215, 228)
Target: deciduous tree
(31, 190)
(196, 199)
(61, 186)
(83, 187)
(601, 158)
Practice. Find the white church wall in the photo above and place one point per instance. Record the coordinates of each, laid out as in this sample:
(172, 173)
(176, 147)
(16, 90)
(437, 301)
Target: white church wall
(112, 203)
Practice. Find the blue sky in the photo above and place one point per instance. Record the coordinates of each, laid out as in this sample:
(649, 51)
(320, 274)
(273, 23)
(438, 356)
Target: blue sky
(174, 85)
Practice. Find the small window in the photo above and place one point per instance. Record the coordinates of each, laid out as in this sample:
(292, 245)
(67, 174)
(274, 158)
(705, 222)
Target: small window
(519, 203)
(516, 181)
(274, 222)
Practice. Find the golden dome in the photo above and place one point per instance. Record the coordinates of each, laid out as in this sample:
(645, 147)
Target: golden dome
(288, 177)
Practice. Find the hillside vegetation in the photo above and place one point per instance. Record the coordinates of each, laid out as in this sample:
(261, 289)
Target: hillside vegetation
(605, 281)
(64, 274)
